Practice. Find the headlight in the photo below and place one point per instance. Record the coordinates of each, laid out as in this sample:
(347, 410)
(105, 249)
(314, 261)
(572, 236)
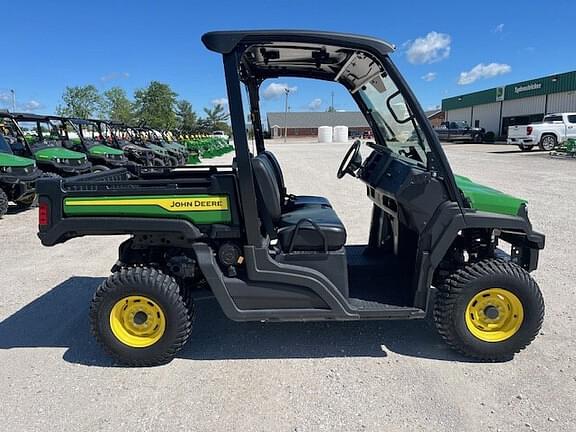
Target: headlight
(6, 169)
(58, 160)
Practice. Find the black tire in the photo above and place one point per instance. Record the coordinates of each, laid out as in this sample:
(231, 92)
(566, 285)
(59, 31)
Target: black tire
(158, 288)
(172, 161)
(548, 142)
(463, 285)
(157, 162)
(100, 168)
(477, 139)
(525, 148)
(3, 203)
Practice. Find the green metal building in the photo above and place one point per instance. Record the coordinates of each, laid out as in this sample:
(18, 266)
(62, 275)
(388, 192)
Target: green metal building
(520, 103)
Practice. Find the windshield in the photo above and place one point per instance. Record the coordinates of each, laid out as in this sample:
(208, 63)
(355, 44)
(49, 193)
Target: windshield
(394, 120)
(4, 146)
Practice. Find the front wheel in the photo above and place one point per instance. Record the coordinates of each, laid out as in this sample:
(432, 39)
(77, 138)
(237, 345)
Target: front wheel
(140, 318)
(525, 148)
(3, 203)
(100, 168)
(489, 310)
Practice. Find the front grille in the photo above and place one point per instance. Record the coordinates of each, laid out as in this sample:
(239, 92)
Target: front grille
(74, 162)
(22, 170)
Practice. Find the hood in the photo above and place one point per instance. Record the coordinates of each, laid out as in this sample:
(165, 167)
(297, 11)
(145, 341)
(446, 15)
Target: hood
(58, 152)
(10, 160)
(103, 150)
(485, 198)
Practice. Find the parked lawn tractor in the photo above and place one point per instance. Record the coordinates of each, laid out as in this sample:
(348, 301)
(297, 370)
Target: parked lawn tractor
(41, 138)
(18, 176)
(268, 254)
(84, 135)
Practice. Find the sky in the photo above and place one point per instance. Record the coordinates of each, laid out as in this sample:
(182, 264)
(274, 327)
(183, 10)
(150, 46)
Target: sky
(443, 48)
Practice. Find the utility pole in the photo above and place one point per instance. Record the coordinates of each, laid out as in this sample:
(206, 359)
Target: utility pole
(13, 100)
(332, 104)
(287, 92)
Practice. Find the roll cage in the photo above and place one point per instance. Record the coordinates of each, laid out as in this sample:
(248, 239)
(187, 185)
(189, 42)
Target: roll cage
(250, 57)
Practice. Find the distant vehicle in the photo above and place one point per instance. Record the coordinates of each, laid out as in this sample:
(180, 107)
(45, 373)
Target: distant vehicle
(554, 129)
(459, 131)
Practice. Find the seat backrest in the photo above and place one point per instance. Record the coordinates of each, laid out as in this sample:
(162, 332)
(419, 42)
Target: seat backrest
(277, 171)
(269, 195)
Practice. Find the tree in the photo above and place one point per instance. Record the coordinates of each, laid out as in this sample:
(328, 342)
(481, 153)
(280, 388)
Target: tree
(155, 105)
(216, 118)
(187, 118)
(80, 101)
(117, 106)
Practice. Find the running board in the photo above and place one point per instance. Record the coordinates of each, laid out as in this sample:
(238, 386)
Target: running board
(371, 309)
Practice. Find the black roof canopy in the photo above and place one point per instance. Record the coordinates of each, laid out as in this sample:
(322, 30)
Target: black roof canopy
(340, 57)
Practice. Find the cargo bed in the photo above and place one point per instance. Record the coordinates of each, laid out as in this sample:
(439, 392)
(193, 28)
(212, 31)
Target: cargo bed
(179, 205)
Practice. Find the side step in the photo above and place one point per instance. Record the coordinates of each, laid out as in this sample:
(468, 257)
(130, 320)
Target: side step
(374, 310)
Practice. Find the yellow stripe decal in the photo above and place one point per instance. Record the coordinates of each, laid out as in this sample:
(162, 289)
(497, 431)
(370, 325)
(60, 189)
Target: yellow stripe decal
(214, 203)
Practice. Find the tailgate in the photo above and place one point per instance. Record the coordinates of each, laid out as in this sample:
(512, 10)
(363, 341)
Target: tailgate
(517, 131)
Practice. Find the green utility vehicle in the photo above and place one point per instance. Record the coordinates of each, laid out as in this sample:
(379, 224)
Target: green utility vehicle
(18, 177)
(143, 137)
(175, 150)
(89, 141)
(119, 136)
(267, 254)
(42, 138)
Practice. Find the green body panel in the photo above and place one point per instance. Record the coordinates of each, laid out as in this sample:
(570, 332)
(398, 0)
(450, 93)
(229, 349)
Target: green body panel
(103, 150)
(10, 160)
(58, 152)
(484, 198)
(154, 206)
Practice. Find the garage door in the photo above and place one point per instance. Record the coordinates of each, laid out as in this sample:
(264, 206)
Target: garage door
(462, 114)
(524, 106)
(487, 116)
(562, 102)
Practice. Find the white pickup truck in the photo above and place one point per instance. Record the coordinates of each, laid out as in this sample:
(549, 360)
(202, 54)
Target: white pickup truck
(554, 129)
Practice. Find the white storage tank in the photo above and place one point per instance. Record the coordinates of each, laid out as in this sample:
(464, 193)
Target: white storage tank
(325, 134)
(340, 134)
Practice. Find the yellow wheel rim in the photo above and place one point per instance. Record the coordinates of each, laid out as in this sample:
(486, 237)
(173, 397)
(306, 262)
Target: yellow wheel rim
(137, 321)
(494, 315)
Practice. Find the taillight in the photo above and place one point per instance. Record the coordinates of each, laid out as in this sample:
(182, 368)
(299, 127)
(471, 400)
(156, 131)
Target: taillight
(43, 214)
(529, 130)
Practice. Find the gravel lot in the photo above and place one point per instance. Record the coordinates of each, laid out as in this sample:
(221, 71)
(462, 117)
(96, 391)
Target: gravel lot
(375, 376)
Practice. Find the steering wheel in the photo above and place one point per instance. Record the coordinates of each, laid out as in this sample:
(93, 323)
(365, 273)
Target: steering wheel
(351, 162)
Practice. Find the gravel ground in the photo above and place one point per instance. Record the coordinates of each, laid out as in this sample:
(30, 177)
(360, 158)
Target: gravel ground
(289, 377)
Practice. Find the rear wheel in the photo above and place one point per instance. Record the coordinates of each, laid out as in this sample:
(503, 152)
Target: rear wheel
(140, 318)
(525, 148)
(489, 310)
(477, 139)
(3, 203)
(548, 142)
